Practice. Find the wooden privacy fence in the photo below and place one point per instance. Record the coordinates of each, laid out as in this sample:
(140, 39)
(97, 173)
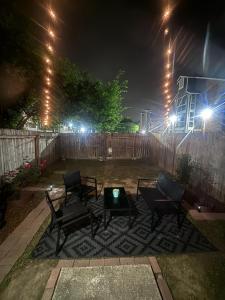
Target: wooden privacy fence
(106, 146)
(18, 146)
(207, 152)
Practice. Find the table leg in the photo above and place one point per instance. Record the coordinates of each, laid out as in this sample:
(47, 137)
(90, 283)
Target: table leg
(129, 218)
(105, 219)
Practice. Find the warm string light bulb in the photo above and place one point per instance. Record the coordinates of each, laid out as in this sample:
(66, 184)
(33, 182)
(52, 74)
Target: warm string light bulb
(49, 47)
(52, 13)
(166, 31)
(49, 71)
(51, 33)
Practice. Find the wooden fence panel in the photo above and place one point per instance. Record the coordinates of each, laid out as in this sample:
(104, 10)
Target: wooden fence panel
(18, 146)
(208, 154)
(114, 146)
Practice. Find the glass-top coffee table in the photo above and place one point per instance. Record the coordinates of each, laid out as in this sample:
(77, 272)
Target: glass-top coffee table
(120, 204)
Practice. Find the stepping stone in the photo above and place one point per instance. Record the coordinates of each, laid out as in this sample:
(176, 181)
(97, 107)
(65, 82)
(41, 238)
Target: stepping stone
(107, 282)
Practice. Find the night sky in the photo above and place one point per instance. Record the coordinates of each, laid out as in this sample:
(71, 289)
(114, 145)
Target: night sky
(103, 36)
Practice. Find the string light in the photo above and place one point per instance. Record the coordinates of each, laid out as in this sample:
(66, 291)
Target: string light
(48, 78)
(169, 51)
(51, 33)
(166, 84)
(168, 54)
(166, 31)
(166, 14)
(49, 71)
(49, 47)
(48, 61)
(52, 14)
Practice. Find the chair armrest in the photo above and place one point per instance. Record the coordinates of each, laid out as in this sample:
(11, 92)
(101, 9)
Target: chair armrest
(58, 198)
(139, 179)
(90, 179)
(142, 179)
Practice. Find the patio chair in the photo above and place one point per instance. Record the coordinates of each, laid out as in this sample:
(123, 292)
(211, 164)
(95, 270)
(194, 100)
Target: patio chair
(68, 218)
(164, 198)
(80, 185)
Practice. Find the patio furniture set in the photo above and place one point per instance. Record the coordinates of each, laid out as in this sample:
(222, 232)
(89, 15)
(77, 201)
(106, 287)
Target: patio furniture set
(73, 212)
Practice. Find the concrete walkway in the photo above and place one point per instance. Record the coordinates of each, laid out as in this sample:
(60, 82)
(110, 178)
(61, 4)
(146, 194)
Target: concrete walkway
(107, 282)
(150, 262)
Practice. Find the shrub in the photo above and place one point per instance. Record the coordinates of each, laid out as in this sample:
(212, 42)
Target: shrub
(184, 168)
(27, 176)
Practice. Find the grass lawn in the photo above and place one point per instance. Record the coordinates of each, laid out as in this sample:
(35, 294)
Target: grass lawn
(198, 276)
(28, 277)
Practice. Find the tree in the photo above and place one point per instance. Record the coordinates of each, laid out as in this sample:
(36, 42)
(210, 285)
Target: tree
(20, 67)
(89, 100)
(128, 126)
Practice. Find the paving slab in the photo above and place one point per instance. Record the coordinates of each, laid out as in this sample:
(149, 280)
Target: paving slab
(107, 282)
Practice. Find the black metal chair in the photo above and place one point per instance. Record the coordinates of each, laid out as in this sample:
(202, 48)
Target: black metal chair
(164, 198)
(80, 185)
(68, 218)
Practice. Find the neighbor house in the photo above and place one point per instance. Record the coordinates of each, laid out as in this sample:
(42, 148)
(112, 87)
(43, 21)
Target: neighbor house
(193, 95)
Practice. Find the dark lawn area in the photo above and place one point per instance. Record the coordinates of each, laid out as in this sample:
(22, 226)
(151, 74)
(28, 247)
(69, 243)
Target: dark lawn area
(18, 207)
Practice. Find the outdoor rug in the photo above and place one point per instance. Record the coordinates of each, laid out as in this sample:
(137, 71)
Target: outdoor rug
(119, 240)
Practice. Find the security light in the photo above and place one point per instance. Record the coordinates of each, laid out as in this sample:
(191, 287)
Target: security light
(206, 113)
(173, 119)
(82, 129)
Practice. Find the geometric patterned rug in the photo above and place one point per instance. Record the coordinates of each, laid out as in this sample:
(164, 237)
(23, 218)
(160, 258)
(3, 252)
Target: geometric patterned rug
(119, 240)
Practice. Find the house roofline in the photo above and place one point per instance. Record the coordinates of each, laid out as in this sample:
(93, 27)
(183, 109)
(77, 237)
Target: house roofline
(204, 78)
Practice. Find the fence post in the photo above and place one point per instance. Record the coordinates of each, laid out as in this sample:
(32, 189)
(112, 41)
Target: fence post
(37, 149)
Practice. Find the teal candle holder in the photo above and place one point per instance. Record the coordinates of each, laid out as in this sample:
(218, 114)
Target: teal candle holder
(116, 193)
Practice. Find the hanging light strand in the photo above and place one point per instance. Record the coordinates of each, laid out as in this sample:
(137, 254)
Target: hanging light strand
(167, 89)
(48, 59)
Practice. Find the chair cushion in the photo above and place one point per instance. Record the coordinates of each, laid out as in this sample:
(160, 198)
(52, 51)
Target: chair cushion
(171, 189)
(150, 195)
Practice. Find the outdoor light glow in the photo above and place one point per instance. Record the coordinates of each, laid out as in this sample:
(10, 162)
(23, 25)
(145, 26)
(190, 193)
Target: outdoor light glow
(166, 91)
(168, 96)
(206, 113)
(168, 65)
(70, 124)
(143, 131)
(168, 75)
(166, 14)
(169, 51)
(52, 13)
(173, 119)
(48, 83)
(48, 61)
(50, 48)
(166, 31)
(46, 91)
(82, 129)
(166, 84)
(51, 33)
(49, 71)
